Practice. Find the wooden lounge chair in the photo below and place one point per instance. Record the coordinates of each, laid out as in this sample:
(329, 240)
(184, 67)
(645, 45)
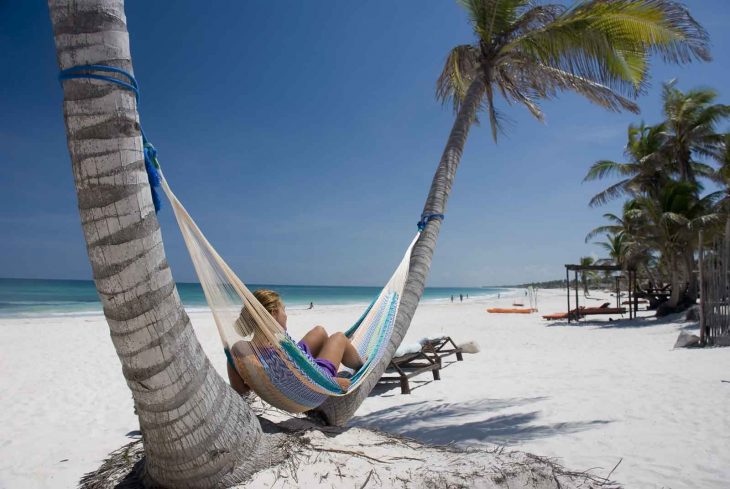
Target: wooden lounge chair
(594, 311)
(587, 311)
(442, 347)
(404, 367)
(562, 315)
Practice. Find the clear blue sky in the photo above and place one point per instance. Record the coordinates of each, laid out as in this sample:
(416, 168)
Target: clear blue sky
(303, 136)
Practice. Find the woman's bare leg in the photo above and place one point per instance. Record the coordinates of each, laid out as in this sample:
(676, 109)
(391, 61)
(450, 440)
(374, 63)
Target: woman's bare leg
(351, 358)
(338, 349)
(315, 340)
(334, 349)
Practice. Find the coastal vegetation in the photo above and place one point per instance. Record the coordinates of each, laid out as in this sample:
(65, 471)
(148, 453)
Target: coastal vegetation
(663, 182)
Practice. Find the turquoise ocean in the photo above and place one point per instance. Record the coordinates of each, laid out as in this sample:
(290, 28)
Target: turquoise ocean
(31, 297)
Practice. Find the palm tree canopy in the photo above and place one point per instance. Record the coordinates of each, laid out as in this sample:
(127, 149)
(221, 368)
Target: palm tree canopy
(692, 118)
(616, 247)
(646, 171)
(672, 219)
(598, 48)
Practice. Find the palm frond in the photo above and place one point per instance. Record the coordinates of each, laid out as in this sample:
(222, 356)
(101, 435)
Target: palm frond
(534, 18)
(612, 192)
(605, 168)
(662, 26)
(602, 230)
(703, 170)
(674, 217)
(496, 120)
(548, 81)
(492, 16)
(459, 70)
(609, 42)
(705, 220)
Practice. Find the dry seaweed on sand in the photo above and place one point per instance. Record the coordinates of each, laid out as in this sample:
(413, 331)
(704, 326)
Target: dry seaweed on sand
(365, 458)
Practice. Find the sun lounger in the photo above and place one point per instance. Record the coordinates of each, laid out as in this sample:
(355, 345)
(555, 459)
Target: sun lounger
(587, 311)
(442, 347)
(406, 366)
(594, 311)
(561, 315)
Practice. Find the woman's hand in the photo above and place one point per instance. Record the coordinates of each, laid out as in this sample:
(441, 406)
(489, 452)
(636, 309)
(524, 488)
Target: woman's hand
(344, 383)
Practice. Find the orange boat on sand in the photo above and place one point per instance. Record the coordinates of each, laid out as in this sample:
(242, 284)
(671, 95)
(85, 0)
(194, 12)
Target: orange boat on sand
(514, 310)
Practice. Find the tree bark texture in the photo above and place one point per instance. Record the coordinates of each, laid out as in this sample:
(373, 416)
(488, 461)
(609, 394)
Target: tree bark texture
(197, 432)
(339, 410)
(676, 293)
(692, 279)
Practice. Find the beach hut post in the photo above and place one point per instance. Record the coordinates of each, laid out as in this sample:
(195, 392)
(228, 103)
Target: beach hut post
(628, 292)
(577, 311)
(567, 283)
(701, 251)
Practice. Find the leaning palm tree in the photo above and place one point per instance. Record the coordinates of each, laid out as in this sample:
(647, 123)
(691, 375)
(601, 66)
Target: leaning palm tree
(197, 431)
(692, 120)
(529, 52)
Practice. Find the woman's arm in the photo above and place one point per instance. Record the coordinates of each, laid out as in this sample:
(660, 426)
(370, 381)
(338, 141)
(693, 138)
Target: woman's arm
(236, 381)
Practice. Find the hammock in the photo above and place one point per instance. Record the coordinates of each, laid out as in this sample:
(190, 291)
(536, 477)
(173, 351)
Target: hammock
(261, 351)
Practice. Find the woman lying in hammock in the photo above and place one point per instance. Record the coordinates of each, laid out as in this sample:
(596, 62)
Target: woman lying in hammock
(327, 351)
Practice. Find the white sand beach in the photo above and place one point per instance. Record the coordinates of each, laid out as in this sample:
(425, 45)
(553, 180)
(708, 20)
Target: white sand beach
(591, 395)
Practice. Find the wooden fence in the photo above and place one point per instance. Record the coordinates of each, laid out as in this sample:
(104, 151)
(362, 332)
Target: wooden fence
(715, 293)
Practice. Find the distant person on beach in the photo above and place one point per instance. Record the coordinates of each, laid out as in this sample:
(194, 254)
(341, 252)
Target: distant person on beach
(452, 297)
(311, 305)
(327, 351)
(461, 297)
(499, 295)
(467, 296)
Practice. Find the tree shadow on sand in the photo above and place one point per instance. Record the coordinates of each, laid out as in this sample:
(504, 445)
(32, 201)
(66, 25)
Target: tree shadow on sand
(454, 422)
(619, 323)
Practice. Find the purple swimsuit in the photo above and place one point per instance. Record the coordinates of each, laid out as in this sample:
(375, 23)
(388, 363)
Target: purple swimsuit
(326, 365)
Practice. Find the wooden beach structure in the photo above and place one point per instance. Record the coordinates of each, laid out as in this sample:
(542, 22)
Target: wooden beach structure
(578, 312)
(714, 267)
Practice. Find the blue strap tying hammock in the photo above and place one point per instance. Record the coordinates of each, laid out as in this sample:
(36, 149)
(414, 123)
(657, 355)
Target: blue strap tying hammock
(151, 164)
(426, 218)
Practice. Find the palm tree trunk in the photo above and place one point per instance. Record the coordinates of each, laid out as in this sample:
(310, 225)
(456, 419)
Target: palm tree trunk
(692, 286)
(197, 432)
(338, 411)
(675, 295)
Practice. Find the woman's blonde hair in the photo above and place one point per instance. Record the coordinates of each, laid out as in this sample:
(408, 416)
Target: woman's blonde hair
(269, 299)
(245, 324)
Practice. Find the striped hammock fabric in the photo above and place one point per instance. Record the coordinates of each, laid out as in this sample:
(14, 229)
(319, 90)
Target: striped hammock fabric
(268, 360)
